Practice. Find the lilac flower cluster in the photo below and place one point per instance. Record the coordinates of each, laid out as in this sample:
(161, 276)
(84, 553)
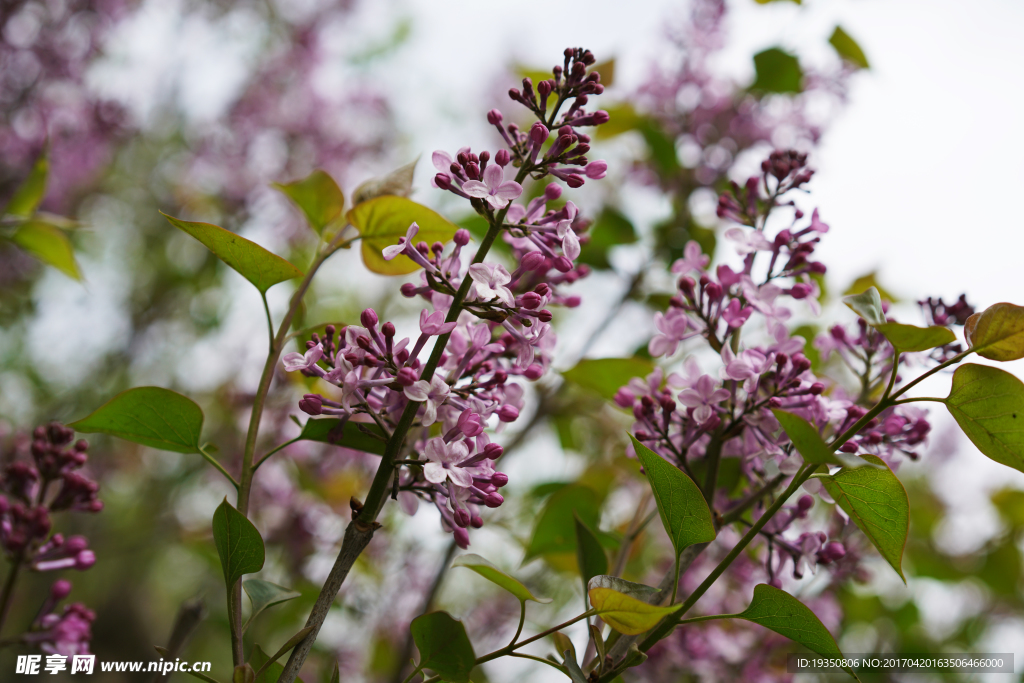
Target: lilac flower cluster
(503, 330)
(32, 492)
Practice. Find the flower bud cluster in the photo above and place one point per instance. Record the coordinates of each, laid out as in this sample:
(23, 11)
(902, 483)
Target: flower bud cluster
(66, 632)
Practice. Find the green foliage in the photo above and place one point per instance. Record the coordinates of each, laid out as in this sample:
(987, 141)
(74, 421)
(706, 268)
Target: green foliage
(30, 193)
(264, 594)
(997, 333)
(848, 49)
(497, 577)
(682, 507)
(381, 221)
(572, 669)
(444, 646)
(555, 531)
(868, 305)
(262, 268)
(623, 605)
(809, 443)
(318, 196)
(612, 228)
(777, 72)
(239, 544)
(151, 416)
(49, 244)
(604, 376)
(397, 183)
(590, 556)
(876, 501)
(257, 659)
(870, 280)
(348, 435)
(988, 404)
(910, 338)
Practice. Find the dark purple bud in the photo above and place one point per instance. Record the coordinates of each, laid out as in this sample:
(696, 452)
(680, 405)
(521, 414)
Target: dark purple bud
(409, 289)
(531, 300)
(311, 404)
(817, 388)
(533, 372)
(493, 500)
(368, 318)
(406, 377)
(800, 291)
(443, 181)
(543, 289)
(472, 170)
(562, 264)
(817, 267)
(476, 521)
(60, 589)
(805, 503)
(508, 413)
(461, 237)
(493, 451)
(544, 89)
(714, 291)
(388, 329)
(539, 134)
(774, 402)
(502, 157)
(572, 301)
(494, 117)
(499, 479)
(544, 316)
(574, 180)
(461, 537)
(462, 517)
(835, 551)
(532, 260)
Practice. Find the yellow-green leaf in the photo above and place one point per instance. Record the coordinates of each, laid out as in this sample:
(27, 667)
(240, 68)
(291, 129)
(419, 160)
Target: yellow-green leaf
(397, 183)
(30, 193)
(809, 443)
(318, 196)
(988, 404)
(262, 268)
(910, 338)
(847, 48)
(498, 577)
(868, 305)
(381, 221)
(870, 280)
(50, 245)
(624, 613)
(590, 556)
(604, 376)
(997, 333)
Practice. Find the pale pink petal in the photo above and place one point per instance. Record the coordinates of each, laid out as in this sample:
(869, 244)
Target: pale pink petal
(515, 213)
(493, 175)
(571, 245)
(418, 391)
(442, 162)
(508, 190)
(474, 188)
(460, 477)
(505, 296)
(293, 361)
(690, 398)
(430, 414)
(392, 251)
(435, 473)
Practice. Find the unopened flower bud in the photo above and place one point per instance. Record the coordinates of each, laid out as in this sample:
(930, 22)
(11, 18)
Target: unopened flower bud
(461, 537)
(493, 500)
(368, 318)
(388, 329)
(443, 181)
(508, 413)
(408, 289)
(574, 180)
(539, 134)
(714, 291)
(596, 170)
(461, 237)
(84, 560)
(848, 447)
(531, 300)
(544, 316)
(499, 479)
(493, 451)
(805, 503)
(533, 372)
(60, 589)
(817, 388)
(572, 301)
(476, 521)
(532, 260)
(817, 267)
(562, 264)
(494, 117)
(462, 517)
(311, 404)
(502, 157)
(800, 291)
(406, 377)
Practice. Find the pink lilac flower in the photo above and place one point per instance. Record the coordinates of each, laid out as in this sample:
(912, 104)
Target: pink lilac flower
(489, 280)
(295, 361)
(693, 260)
(673, 327)
(432, 394)
(702, 398)
(495, 189)
(444, 459)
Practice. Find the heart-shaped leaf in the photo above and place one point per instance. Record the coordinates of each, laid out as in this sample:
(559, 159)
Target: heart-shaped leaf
(444, 646)
(30, 193)
(988, 404)
(876, 501)
(809, 443)
(623, 604)
(682, 507)
(555, 531)
(498, 577)
(150, 416)
(262, 268)
(239, 544)
(349, 435)
(779, 611)
(318, 196)
(397, 183)
(264, 594)
(49, 244)
(605, 376)
(381, 221)
(590, 556)
(777, 71)
(997, 333)
(868, 305)
(911, 339)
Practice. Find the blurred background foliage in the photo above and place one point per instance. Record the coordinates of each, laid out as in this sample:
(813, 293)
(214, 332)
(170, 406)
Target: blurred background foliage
(139, 303)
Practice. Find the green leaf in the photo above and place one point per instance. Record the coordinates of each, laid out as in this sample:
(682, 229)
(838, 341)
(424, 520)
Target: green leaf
(777, 72)
(335, 674)
(264, 594)
(383, 220)
(988, 404)
(876, 501)
(49, 244)
(871, 280)
(239, 544)
(555, 531)
(612, 228)
(262, 268)
(809, 443)
(623, 606)
(848, 49)
(911, 339)
(397, 183)
(604, 376)
(590, 556)
(572, 669)
(318, 196)
(444, 646)
(682, 507)
(150, 416)
(997, 333)
(868, 305)
(498, 577)
(779, 611)
(351, 435)
(30, 193)
(272, 673)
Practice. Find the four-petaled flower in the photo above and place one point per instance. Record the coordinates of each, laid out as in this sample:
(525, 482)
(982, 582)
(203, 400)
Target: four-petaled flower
(443, 460)
(693, 259)
(489, 280)
(673, 327)
(701, 398)
(396, 249)
(296, 361)
(495, 189)
(432, 393)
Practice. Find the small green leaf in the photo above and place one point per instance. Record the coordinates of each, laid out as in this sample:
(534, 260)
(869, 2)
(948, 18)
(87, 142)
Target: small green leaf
(590, 556)
(809, 443)
(876, 501)
(49, 244)
(777, 72)
(572, 669)
(848, 49)
(30, 194)
(397, 183)
(318, 196)
(498, 577)
(997, 333)
(868, 305)
(682, 507)
(910, 339)
(622, 605)
(444, 646)
(555, 531)
(611, 228)
(383, 220)
(988, 404)
(239, 544)
(257, 659)
(779, 611)
(262, 268)
(264, 594)
(351, 434)
(605, 376)
(564, 645)
(335, 673)
(150, 416)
